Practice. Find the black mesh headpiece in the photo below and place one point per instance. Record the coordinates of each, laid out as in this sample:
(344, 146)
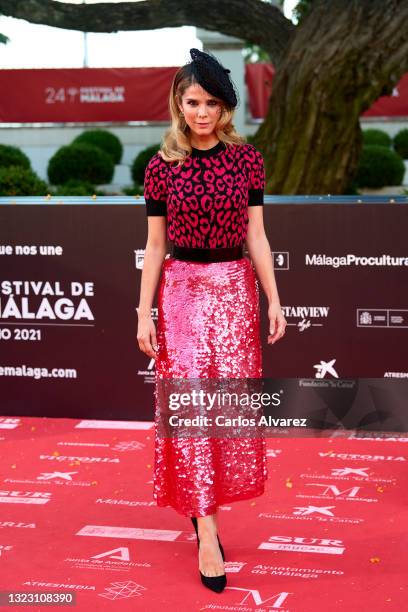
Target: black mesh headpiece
(213, 77)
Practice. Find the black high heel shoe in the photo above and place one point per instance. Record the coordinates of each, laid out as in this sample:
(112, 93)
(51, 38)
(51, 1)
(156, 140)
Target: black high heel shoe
(215, 583)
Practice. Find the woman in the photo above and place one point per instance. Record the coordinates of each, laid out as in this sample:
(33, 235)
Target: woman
(204, 192)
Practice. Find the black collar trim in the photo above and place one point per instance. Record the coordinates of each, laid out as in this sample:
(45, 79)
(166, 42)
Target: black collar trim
(220, 146)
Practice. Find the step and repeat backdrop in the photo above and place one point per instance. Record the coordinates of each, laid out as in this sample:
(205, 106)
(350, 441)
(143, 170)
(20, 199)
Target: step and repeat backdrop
(133, 94)
(69, 286)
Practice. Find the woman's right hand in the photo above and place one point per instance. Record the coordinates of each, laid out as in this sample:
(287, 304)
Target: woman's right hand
(146, 335)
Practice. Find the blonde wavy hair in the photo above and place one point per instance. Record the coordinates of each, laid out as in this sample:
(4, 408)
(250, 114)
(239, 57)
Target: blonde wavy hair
(175, 146)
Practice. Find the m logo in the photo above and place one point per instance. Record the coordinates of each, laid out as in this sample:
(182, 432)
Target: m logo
(253, 595)
(351, 492)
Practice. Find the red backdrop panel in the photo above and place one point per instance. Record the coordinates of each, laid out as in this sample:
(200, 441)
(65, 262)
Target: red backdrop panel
(85, 94)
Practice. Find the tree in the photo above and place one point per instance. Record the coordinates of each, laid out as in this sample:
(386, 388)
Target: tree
(302, 9)
(330, 68)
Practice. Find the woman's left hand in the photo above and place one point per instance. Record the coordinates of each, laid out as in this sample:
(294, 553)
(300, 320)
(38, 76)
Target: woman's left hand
(277, 322)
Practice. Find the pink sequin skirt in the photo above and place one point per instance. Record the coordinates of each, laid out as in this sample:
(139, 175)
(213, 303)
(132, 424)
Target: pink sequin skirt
(208, 327)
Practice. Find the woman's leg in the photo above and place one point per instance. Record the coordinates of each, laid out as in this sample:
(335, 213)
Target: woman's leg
(209, 554)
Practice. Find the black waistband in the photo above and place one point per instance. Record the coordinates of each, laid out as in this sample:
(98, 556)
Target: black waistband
(206, 255)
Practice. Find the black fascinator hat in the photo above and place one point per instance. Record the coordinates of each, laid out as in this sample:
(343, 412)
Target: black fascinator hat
(213, 77)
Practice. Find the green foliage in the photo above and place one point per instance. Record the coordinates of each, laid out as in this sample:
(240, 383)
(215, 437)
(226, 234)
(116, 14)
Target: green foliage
(13, 156)
(140, 162)
(19, 181)
(133, 190)
(401, 143)
(255, 53)
(351, 189)
(103, 139)
(376, 137)
(379, 167)
(75, 187)
(84, 162)
(250, 138)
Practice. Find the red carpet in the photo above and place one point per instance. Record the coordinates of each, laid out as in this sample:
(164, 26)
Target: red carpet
(77, 515)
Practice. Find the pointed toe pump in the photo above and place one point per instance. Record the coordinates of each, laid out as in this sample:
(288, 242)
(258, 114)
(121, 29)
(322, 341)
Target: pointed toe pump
(215, 583)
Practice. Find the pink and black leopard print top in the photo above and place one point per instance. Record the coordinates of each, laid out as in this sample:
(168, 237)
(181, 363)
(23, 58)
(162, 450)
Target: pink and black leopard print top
(206, 200)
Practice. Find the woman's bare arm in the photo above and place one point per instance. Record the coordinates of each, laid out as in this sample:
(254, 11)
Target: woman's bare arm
(260, 253)
(154, 255)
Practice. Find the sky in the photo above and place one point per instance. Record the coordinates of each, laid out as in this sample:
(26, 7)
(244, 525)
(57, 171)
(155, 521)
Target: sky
(36, 46)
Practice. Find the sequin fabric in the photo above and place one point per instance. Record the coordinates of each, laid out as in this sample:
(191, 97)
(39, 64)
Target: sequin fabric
(207, 327)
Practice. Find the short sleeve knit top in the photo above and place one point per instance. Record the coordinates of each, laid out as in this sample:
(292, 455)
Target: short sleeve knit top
(206, 199)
